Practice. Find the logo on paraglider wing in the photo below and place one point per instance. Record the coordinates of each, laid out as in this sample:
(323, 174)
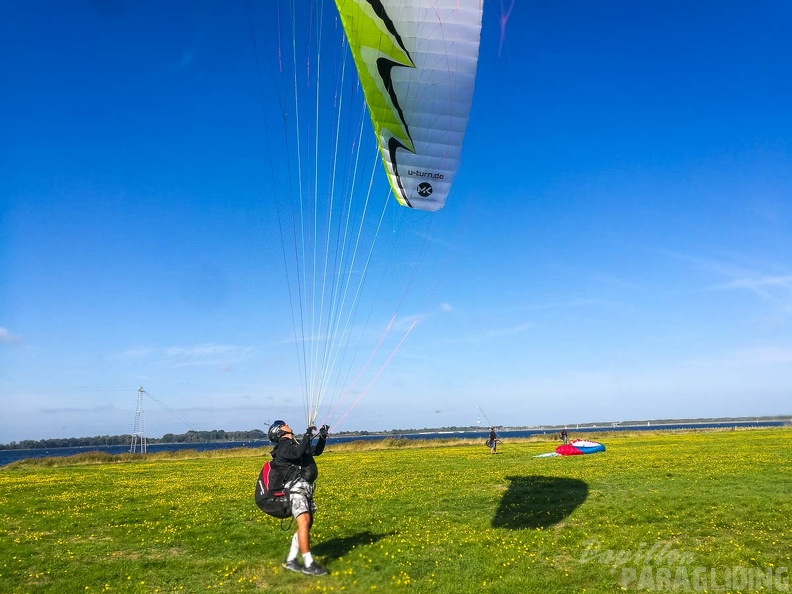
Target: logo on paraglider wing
(424, 189)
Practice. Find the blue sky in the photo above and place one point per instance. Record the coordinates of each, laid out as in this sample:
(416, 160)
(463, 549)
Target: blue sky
(617, 245)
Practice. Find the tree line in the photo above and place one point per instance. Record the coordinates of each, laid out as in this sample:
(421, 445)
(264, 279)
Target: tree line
(112, 440)
(192, 437)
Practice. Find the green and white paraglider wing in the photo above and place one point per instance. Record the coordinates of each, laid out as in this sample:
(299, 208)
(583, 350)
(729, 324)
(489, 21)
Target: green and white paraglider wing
(416, 60)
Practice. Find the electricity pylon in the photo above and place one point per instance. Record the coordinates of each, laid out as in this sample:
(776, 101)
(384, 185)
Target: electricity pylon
(139, 432)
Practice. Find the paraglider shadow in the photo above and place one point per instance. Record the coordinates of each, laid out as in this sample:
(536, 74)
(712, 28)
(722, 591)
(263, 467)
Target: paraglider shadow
(538, 501)
(335, 548)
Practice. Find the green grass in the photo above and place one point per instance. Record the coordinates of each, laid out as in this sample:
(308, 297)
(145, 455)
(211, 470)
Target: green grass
(430, 517)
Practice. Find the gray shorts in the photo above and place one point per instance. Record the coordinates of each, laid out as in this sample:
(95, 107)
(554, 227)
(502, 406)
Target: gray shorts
(301, 497)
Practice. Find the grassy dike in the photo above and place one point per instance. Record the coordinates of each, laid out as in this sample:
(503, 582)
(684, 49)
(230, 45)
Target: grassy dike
(682, 511)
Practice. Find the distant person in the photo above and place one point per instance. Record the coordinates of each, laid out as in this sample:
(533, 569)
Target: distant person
(492, 442)
(564, 435)
(294, 465)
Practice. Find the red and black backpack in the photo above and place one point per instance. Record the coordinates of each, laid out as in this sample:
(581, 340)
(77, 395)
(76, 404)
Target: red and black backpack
(271, 496)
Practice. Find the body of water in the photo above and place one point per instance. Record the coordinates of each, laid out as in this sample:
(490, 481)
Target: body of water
(8, 456)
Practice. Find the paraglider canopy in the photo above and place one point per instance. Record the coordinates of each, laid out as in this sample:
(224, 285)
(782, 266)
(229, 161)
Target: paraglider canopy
(417, 66)
(579, 447)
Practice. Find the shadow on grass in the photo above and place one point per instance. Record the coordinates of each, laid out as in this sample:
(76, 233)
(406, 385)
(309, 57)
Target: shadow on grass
(335, 548)
(538, 501)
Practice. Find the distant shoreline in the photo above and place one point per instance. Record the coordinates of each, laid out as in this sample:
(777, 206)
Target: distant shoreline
(257, 435)
(8, 456)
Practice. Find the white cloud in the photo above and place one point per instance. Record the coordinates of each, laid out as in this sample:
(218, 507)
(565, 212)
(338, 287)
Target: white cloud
(510, 331)
(760, 284)
(221, 355)
(494, 334)
(185, 60)
(138, 353)
(7, 337)
(772, 286)
(205, 350)
(750, 357)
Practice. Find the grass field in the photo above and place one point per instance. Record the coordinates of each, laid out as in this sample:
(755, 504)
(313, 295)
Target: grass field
(688, 511)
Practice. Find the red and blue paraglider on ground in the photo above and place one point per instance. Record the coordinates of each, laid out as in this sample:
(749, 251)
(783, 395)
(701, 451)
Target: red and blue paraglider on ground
(576, 447)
